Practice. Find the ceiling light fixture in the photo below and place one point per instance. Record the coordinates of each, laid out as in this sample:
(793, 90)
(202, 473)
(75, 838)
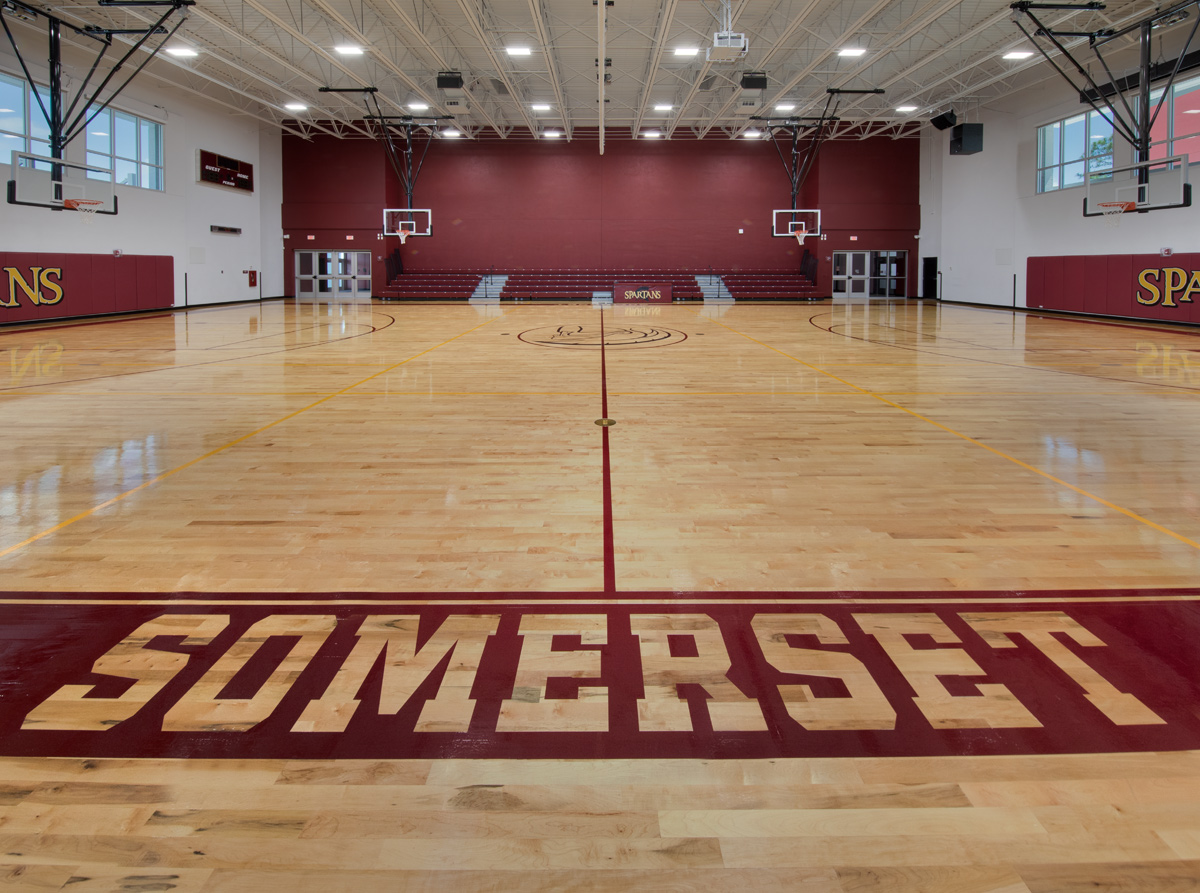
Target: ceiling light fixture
(552, 134)
(419, 106)
(752, 134)
(540, 107)
(349, 50)
(687, 51)
(519, 51)
(295, 107)
(906, 108)
(851, 51)
(651, 134)
(663, 107)
(1017, 54)
(451, 134)
(785, 107)
(182, 52)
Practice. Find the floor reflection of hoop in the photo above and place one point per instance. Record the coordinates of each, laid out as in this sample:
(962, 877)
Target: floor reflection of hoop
(591, 337)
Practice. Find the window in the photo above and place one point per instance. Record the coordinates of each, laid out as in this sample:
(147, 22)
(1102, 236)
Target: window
(131, 146)
(1069, 148)
(22, 125)
(1176, 131)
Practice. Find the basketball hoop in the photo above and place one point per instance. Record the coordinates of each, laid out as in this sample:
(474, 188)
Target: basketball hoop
(1113, 210)
(404, 234)
(800, 234)
(88, 206)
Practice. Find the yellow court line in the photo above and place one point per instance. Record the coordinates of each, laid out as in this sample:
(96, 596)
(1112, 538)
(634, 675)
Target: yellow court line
(166, 474)
(1104, 502)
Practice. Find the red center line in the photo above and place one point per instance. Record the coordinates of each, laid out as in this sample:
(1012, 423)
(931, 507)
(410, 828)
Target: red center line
(610, 555)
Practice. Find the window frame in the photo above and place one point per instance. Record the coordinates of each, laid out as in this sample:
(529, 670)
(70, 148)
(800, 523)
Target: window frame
(1089, 163)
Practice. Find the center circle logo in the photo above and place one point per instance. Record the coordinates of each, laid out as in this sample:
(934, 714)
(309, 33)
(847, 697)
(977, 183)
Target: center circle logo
(588, 337)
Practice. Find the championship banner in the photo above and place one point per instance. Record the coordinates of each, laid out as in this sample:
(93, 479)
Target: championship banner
(642, 293)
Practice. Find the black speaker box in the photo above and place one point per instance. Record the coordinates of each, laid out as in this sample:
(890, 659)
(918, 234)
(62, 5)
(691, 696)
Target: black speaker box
(945, 120)
(966, 139)
(754, 80)
(449, 80)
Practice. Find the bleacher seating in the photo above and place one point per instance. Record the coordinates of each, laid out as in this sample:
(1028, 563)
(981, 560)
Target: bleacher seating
(769, 285)
(432, 285)
(580, 285)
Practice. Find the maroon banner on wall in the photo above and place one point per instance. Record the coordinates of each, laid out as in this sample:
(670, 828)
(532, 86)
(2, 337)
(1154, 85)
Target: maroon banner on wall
(1136, 286)
(642, 293)
(40, 286)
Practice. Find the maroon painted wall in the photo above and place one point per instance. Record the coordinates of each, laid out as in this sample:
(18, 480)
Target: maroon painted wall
(72, 285)
(1136, 286)
(536, 205)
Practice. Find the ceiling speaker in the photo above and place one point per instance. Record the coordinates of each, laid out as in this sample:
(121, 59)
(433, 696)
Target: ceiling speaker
(945, 120)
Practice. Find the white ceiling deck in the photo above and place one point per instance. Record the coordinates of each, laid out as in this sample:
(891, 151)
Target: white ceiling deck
(255, 56)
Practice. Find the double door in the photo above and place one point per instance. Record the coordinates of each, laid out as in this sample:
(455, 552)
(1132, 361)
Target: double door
(333, 274)
(870, 274)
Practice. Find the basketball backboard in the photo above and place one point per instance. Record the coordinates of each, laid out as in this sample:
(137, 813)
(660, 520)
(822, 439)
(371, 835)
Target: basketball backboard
(44, 182)
(785, 222)
(417, 221)
(1148, 186)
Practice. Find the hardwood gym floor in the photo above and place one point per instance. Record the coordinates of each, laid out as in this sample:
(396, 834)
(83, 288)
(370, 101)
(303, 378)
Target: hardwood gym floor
(894, 596)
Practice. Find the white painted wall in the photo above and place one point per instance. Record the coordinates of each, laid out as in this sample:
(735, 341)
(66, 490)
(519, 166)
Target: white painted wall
(982, 217)
(177, 220)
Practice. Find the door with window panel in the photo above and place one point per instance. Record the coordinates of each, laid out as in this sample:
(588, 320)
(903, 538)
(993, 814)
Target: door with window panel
(345, 274)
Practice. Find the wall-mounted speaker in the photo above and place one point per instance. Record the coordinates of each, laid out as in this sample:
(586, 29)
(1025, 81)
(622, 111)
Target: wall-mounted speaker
(945, 120)
(754, 80)
(966, 139)
(449, 80)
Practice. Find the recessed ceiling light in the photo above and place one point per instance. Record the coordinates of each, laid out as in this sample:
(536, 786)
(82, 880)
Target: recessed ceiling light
(664, 107)
(419, 106)
(519, 51)
(295, 106)
(1018, 54)
(851, 51)
(785, 107)
(686, 51)
(540, 107)
(182, 52)
(349, 50)
(651, 134)
(906, 108)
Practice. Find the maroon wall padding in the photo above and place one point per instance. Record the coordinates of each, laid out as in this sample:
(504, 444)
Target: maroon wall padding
(91, 284)
(1111, 285)
(674, 204)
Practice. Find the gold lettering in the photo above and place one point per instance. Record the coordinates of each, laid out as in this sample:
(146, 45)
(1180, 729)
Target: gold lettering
(1144, 281)
(1193, 286)
(662, 708)
(405, 667)
(542, 662)
(1174, 278)
(132, 658)
(15, 281)
(203, 709)
(51, 286)
(1147, 353)
(866, 707)
(1039, 628)
(995, 707)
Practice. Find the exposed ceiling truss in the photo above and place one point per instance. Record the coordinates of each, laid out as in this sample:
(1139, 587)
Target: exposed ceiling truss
(255, 57)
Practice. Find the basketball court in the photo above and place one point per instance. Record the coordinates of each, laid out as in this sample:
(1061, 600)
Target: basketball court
(847, 596)
(658, 520)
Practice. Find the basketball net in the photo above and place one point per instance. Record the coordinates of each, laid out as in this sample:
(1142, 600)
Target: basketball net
(87, 206)
(1113, 210)
(404, 234)
(800, 234)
